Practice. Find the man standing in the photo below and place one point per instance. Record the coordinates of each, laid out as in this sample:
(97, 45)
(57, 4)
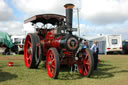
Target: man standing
(95, 51)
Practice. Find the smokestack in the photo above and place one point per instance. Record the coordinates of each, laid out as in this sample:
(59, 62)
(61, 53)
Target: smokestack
(69, 15)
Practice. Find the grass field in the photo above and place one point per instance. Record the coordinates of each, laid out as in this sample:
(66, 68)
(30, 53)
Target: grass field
(112, 70)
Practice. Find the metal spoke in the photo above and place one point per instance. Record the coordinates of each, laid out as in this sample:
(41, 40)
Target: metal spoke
(85, 69)
(29, 43)
(53, 61)
(51, 56)
(87, 62)
(53, 65)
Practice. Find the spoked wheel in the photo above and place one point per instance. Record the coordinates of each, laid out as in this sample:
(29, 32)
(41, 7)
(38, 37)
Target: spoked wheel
(29, 51)
(86, 63)
(52, 63)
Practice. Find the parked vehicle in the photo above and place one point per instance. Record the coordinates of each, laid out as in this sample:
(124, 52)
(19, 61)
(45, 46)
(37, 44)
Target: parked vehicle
(108, 43)
(125, 47)
(57, 45)
(19, 42)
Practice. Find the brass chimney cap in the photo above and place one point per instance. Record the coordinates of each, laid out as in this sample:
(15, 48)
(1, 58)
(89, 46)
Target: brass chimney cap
(69, 6)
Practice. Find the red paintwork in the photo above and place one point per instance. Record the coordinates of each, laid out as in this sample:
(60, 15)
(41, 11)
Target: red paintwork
(108, 48)
(127, 47)
(49, 41)
(21, 46)
(98, 60)
(84, 64)
(10, 64)
(50, 63)
(28, 55)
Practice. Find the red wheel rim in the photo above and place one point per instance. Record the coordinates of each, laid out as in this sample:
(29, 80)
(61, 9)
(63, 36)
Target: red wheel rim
(50, 63)
(28, 51)
(84, 66)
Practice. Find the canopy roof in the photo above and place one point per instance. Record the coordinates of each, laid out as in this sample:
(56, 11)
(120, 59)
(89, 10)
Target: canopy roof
(46, 18)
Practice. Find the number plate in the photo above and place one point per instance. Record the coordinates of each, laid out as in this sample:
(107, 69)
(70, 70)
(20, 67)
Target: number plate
(114, 48)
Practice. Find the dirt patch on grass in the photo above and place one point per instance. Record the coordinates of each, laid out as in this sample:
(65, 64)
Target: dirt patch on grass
(15, 57)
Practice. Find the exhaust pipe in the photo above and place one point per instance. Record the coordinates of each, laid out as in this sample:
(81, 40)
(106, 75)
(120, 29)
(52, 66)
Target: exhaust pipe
(69, 15)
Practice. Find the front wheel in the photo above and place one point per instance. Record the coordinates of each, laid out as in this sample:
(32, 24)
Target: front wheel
(52, 63)
(86, 62)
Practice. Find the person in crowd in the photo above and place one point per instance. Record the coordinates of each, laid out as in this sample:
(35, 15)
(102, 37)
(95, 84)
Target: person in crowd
(86, 43)
(95, 51)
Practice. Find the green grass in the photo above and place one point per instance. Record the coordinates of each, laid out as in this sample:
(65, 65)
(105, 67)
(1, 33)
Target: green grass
(112, 70)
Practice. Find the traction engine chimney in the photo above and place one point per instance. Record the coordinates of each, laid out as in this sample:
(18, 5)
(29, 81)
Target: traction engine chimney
(69, 15)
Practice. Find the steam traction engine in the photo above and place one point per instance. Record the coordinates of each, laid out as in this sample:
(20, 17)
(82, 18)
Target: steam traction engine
(57, 45)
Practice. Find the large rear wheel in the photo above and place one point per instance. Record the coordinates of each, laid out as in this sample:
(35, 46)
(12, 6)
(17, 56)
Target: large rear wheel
(29, 51)
(52, 63)
(86, 63)
(38, 51)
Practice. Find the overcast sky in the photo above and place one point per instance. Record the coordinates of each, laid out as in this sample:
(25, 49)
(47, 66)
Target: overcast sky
(96, 16)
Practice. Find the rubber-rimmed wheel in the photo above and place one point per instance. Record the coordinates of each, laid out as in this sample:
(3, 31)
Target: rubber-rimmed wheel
(52, 63)
(38, 53)
(29, 51)
(86, 63)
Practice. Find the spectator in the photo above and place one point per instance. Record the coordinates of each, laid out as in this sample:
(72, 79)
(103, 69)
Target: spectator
(95, 51)
(86, 43)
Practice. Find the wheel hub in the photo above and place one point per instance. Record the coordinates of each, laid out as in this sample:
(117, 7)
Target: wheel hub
(29, 51)
(49, 63)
